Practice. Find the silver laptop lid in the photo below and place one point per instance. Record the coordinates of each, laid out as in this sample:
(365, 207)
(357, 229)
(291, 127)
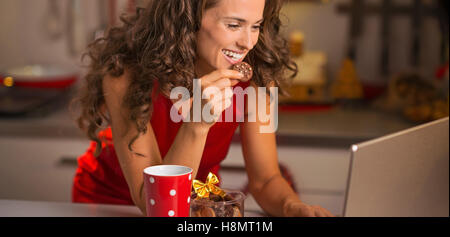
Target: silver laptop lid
(401, 175)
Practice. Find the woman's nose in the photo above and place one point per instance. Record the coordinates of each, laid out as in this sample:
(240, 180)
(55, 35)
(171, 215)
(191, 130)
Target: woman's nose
(246, 41)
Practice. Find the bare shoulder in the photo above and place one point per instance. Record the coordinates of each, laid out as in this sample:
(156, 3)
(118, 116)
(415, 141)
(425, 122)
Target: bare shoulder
(114, 92)
(116, 85)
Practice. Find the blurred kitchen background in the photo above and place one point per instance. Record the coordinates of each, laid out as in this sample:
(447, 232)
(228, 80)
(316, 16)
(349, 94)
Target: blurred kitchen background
(367, 68)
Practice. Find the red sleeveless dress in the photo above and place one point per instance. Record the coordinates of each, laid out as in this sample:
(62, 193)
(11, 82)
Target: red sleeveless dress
(100, 179)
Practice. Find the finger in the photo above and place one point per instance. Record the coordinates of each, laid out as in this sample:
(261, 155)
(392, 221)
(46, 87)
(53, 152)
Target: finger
(225, 104)
(221, 105)
(222, 83)
(231, 82)
(228, 93)
(319, 212)
(322, 212)
(234, 82)
(218, 108)
(215, 95)
(223, 73)
(309, 212)
(216, 87)
(304, 211)
(328, 213)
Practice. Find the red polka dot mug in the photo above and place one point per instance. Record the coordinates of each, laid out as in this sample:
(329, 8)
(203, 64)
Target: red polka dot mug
(167, 190)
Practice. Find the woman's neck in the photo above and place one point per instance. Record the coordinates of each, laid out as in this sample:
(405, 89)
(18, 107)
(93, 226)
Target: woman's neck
(202, 68)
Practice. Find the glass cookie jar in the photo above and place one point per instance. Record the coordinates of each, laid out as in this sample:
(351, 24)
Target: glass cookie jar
(232, 205)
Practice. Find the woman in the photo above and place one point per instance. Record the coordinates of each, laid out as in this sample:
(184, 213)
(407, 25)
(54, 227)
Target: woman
(132, 73)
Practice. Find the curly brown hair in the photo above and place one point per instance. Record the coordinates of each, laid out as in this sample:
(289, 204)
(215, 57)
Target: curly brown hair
(158, 43)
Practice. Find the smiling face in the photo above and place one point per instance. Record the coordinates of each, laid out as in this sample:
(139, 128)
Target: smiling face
(228, 32)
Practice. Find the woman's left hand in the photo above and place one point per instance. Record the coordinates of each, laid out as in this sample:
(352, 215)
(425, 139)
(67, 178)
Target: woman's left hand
(300, 209)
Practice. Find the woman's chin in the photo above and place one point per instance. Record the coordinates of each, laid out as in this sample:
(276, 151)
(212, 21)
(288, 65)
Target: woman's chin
(223, 66)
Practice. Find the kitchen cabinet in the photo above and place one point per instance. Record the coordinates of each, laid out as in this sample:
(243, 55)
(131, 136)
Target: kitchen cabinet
(38, 169)
(319, 174)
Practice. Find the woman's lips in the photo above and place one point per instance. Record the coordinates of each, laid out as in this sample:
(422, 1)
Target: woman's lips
(230, 60)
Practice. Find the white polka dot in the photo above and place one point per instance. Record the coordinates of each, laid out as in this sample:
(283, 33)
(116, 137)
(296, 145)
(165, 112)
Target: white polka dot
(190, 176)
(152, 180)
(173, 192)
(171, 213)
(189, 199)
(152, 202)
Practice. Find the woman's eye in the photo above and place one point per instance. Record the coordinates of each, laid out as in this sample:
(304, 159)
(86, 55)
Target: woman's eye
(231, 26)
(257, 27)
(234, 27)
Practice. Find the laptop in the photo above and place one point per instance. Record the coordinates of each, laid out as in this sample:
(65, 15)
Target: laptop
(401, 175)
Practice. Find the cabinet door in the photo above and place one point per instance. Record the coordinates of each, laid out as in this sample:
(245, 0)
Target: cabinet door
(38, 169)
(319, 174)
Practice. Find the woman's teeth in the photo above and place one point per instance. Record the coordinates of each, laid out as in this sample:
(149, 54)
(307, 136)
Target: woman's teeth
(233, 55)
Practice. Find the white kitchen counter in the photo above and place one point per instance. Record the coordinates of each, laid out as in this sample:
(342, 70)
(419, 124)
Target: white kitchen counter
(16, 208)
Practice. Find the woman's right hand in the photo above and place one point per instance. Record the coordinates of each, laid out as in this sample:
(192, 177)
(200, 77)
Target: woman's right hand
(216, 96)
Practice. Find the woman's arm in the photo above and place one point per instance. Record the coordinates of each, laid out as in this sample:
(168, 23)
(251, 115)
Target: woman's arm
(271, 191)
(187, 148)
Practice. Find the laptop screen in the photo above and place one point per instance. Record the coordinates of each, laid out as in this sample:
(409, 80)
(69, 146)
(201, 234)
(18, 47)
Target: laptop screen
(401, 175)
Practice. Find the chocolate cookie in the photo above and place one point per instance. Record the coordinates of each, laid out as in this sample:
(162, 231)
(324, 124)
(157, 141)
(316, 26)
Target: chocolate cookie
(245, 69)
(217, 206)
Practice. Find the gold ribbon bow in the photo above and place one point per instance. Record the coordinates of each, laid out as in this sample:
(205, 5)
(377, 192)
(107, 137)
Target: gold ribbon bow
(204, 189)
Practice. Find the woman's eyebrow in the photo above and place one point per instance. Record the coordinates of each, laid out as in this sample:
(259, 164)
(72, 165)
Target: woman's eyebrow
(242, 20)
